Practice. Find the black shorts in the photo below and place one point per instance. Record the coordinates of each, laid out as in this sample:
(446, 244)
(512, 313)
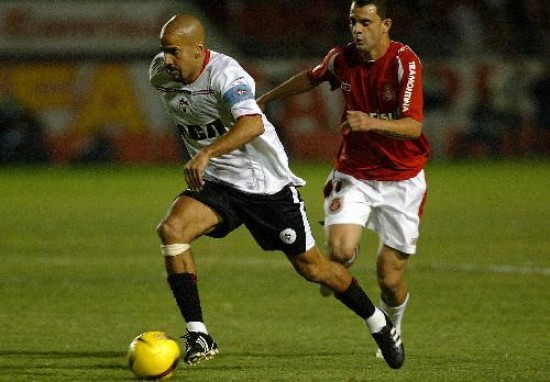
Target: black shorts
(277, 221)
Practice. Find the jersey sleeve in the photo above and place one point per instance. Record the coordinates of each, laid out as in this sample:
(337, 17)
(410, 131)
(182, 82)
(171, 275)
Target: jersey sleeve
(237, 90)
(325, 70)
(410, 91)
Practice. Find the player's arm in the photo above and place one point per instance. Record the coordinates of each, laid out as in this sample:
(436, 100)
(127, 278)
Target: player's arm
(403, 128)
(300, 83)
(245, 129)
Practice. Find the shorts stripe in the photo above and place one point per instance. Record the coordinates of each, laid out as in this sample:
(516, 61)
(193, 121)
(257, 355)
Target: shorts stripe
(310, 241)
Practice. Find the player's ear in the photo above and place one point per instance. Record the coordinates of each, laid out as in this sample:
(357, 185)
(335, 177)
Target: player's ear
(200, 49)
(387, 25)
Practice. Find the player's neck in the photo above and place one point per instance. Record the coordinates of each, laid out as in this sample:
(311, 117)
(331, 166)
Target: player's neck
(377, 51)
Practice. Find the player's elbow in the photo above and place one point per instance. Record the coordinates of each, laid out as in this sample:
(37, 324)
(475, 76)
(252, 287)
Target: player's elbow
(257, 124)
(261, 128)
(415, 129)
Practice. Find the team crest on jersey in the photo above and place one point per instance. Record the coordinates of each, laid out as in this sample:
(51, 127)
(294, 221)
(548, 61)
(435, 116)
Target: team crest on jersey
(288, 236)
(345, 86)
(182, 105)
(389, 93)
(335, 205)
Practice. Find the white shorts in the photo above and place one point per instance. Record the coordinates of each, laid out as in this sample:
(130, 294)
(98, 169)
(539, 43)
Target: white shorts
(392, 209)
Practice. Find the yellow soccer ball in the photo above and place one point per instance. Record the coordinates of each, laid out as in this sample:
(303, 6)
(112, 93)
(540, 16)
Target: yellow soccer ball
(153, 355)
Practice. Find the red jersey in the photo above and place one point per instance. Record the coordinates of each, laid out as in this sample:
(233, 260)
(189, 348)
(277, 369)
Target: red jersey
(388, 88)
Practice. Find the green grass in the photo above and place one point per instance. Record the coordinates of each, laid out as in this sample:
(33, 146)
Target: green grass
(81, 274)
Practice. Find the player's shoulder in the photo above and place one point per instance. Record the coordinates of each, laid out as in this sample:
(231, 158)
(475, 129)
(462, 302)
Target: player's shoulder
(224, 69)
(345, 51)
(219, 62)
(342, 56)
(404, 51)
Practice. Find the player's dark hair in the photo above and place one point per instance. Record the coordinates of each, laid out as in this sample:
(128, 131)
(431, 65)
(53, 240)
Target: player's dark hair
(383, 7)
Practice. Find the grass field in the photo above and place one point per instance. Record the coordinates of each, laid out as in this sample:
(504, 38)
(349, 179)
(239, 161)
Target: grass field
(81, 275)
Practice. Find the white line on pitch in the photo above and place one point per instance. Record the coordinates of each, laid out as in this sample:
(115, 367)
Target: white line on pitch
(492, 268)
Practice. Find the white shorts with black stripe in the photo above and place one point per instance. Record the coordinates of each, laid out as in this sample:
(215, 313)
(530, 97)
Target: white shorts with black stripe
(277, 221)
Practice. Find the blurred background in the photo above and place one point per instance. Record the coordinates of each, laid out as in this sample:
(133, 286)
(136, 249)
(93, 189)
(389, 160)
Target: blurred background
(74, 76)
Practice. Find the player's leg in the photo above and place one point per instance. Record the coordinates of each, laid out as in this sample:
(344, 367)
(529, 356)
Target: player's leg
(343, 246)
(394, 291)
(315, 267)
(390, 270)
(397, 220)
(348, 205)
(343, 241)
(186, 220)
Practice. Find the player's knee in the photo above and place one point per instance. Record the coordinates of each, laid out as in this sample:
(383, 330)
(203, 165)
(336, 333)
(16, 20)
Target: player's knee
(169, 231)
(389, 281)
(340, 252)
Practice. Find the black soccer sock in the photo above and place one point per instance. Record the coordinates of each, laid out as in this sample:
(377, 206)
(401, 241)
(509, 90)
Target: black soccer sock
(185, 291)
(357, 300)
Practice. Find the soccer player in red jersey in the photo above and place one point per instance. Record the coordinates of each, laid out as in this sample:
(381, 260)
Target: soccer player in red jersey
(378, 180)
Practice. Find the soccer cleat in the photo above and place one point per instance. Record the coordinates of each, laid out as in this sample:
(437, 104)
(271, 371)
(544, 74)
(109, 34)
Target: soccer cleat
(379, 352)
(390, 344)
(199, 346)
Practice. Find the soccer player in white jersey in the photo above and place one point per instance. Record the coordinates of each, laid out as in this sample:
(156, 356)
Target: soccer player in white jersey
(238, 174)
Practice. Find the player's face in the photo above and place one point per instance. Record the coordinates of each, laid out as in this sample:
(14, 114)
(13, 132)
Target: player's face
(368, 29)
(181, 58)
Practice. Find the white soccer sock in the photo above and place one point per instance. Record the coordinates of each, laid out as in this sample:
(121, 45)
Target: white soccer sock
(196, 326)
(395, 313)
(376, 322)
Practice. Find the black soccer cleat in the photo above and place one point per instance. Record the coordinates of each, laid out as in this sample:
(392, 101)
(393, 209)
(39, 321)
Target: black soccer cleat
(390, 344)
(199, 346)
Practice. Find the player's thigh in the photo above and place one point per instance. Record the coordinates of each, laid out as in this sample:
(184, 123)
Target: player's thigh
(188, 219)
(397, 219)
(276, 221)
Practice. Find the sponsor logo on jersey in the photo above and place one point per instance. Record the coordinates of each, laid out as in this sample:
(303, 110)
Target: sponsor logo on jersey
(288, 236)
(410, 87)
(386, 116)
(211, 130)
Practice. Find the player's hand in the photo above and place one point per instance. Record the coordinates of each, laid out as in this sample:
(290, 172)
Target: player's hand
(355, 121)
(194, 169)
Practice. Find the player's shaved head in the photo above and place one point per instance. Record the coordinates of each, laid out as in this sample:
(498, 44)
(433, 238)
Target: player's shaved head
(183, 43)
(185, 26)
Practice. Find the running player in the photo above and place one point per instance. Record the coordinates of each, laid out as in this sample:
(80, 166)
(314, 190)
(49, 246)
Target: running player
(238, 174)
(378, 180)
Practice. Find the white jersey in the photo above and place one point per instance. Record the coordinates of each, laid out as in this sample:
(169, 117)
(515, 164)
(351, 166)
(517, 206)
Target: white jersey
(207, 108)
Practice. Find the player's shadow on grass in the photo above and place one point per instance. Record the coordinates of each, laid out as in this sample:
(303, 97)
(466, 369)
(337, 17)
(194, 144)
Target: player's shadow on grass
(62, 354)
(9, 360)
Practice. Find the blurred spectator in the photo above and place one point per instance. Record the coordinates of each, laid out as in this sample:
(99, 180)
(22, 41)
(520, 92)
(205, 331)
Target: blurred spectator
(96, 149)
(21, 133)
(466, 18)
